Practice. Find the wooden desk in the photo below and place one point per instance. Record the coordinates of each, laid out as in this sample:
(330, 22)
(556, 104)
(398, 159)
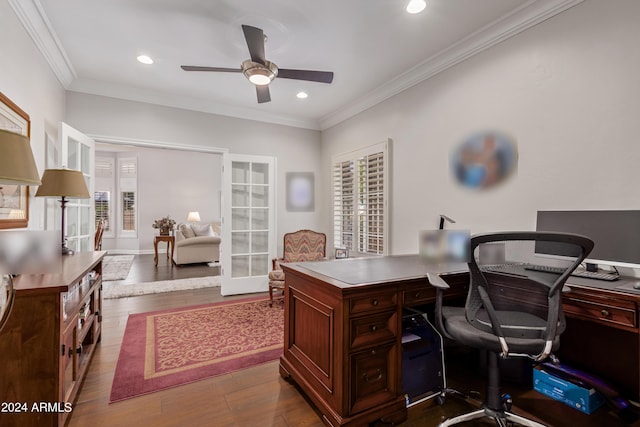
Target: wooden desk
(171, 241)
(342, 338)
(603, 335)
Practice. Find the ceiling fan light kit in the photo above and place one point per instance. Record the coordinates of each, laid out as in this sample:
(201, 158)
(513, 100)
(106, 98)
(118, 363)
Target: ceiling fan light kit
(261, 72)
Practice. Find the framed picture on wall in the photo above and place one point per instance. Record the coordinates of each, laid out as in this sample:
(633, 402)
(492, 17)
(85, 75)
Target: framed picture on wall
(14, 199)
(300, 192)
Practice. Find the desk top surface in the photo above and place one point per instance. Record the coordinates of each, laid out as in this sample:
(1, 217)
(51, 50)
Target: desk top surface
(360, 271)
(387, 269)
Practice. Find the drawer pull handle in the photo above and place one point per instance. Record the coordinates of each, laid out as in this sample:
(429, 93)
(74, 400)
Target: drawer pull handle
(374, 302)
(605, 313)
(417, 295)
(374, 328)
(374, 379)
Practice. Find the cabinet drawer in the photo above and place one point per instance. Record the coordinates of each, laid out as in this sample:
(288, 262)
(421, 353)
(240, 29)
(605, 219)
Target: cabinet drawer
(624, 315)
(373, 329)
(373, 302)
(372, 378)
(421, 295)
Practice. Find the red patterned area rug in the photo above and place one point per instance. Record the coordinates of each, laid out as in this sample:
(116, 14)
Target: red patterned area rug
(164, 349)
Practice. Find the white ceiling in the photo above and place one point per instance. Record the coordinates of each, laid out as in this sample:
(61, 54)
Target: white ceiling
(374, 48)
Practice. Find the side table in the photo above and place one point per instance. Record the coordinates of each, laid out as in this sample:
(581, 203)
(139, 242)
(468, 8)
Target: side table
(170, 244)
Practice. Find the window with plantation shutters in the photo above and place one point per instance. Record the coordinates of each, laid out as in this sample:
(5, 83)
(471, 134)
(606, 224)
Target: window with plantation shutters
(128, 188)
(104, 185)
(360, 218)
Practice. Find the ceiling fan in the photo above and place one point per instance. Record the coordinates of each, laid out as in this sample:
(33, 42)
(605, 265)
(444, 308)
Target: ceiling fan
(261, 72)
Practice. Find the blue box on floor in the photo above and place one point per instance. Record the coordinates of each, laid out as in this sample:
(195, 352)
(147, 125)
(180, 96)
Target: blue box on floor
(581, 398)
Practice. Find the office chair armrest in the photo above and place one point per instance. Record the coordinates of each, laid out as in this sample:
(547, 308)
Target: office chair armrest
(437, 281)
(440, 285)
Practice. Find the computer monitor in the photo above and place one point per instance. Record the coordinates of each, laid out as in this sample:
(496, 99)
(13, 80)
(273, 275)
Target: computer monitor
(616, 235)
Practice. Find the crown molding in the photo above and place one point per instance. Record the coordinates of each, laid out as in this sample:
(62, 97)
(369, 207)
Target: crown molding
(528, 15)
(35, 21)
(149, 143)
(119, 91)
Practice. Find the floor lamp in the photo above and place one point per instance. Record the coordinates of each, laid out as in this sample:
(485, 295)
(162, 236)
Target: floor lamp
(17, 167)
(63, 183)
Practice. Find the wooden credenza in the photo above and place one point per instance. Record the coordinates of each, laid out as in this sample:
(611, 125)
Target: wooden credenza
(343, 331)
(48, 341)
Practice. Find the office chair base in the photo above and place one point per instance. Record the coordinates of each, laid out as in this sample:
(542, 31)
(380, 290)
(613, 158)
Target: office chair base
(502, 418)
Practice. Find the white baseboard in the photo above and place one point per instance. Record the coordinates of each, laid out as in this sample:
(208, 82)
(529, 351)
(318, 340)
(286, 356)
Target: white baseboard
(130, 252)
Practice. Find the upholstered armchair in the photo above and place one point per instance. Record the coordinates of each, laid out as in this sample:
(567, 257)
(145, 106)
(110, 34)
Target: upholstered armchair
(299, 246)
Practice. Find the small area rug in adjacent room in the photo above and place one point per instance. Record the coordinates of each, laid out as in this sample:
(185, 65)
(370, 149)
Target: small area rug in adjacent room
(123, 290)
(116, 267)
(167, 348)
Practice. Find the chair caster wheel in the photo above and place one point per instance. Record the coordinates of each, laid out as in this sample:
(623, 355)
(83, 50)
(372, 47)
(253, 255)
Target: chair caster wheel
(440, 399)
(507, 402)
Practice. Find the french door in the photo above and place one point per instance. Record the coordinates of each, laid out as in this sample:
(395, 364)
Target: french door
(78, 152)
(248, 229)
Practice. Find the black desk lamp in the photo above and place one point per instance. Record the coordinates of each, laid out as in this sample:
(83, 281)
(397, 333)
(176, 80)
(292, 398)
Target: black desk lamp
(442, 219)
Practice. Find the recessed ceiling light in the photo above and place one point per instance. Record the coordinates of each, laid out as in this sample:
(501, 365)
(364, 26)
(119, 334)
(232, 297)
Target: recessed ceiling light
(416, 6)
(145, 59)
(302, 95)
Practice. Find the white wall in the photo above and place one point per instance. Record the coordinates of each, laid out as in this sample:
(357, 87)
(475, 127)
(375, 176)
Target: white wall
(295, 150)
(26, 79)
(567, 89)
(170, 182)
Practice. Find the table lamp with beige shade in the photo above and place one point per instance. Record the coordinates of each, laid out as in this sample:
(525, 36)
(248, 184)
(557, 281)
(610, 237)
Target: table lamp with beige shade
(66, 184)
(17, 166)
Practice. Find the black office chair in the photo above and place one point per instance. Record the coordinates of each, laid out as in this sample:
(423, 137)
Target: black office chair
(511, 310)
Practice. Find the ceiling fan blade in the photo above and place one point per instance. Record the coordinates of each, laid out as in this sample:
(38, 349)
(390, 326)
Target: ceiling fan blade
(263, 94)
(197, 68)
(255, 42)
(312, 76)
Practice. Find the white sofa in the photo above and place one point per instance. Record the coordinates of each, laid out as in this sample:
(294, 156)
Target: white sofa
(197, 242)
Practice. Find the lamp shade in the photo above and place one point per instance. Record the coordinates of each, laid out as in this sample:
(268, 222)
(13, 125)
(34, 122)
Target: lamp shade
(63, 183)
(17, 165)
(193, 217)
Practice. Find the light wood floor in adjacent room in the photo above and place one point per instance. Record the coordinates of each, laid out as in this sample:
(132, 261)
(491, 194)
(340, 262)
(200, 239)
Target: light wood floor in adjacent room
(252, 397)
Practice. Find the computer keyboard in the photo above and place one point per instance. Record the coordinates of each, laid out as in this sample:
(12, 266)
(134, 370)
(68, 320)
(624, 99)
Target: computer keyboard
(598, 275)
(512, 269)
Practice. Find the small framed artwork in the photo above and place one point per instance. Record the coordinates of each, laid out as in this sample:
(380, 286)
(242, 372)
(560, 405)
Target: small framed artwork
(14, 199)
(342, 253)
(300, 194)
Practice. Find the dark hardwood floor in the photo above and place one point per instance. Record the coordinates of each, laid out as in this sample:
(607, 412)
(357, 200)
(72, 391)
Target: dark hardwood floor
(143, 270)
(258, 396)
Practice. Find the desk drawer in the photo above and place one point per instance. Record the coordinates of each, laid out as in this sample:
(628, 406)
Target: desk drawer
(419, 295)
(373, 302)
(622, 315)
(373, 329)
(372, 381)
